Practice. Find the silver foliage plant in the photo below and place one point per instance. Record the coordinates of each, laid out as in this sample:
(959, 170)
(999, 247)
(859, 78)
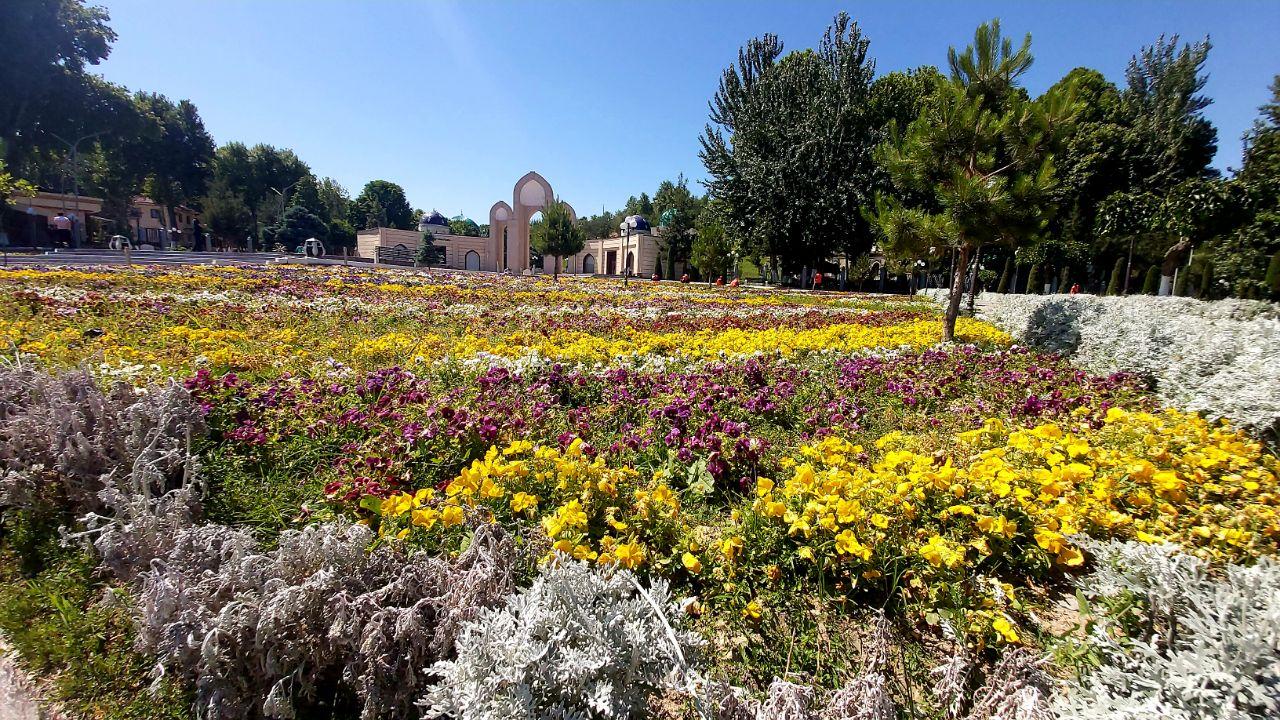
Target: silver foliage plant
(1016, 687)
(578, 643)
(258, 632)
(1212, 648)
(61, 436)
(1216, 357)
(865, 697)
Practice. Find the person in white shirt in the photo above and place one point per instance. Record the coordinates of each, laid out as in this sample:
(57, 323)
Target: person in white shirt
(61, 229)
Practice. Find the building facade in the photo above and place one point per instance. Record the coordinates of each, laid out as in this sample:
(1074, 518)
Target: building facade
(150, 227)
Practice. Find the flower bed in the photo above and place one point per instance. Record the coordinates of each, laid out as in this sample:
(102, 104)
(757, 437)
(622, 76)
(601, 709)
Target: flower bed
(779, 469)
(1215, 357)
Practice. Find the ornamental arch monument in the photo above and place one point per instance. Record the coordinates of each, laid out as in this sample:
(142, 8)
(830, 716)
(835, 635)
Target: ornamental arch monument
(509, 223)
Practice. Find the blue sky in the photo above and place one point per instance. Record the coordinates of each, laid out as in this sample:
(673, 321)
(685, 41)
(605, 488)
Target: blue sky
(455, 101)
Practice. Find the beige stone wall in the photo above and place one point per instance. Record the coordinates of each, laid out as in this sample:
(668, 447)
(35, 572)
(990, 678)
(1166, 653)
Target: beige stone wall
(456, 247)
(647, 252)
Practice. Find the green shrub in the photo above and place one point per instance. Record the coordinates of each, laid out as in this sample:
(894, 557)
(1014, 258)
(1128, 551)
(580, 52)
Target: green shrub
(1116, 286)
(1151, 285)
(1206, 281)
(1273, 277)
(1003, 285)
(1033, 280)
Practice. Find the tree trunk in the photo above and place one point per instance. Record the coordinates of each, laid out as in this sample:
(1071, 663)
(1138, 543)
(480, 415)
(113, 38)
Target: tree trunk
(957, 292)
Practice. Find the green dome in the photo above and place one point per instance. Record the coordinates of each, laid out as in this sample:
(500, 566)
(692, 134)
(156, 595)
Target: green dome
(666, 217)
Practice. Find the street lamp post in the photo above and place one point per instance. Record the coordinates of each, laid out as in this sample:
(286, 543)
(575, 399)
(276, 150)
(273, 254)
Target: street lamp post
(74, 160)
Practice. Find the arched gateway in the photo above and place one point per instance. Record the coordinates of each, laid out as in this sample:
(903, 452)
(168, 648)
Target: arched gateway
(509, 224)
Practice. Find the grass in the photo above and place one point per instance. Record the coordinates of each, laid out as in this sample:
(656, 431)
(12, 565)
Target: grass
(74, 632)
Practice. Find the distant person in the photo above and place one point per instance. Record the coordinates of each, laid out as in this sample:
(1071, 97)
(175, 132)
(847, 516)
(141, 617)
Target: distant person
(685, 278)
(817, 281)
(61, 229)
(734, 283)
(720, 280)
(656, 277)
(198, 244)
(1075, 289)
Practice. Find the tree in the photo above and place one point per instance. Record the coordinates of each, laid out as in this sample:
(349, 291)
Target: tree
(789, 147)
(336, 200)
(677, 211)
(1273, 277)
(341, 234)
(45, 48)
(641, 206)
(226, 214)
(557, 236)
(180, 158)
(297, 224)
(426, 250)
(1151, 283)
(983, 152)
(465, 227)
(1003, 286)
(1034, 281)
(712, 251)
(382, 204)
(1117, 277)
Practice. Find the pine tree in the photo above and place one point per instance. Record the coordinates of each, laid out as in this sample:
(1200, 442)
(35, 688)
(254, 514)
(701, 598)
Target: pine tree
(982, 153)
(558, 236)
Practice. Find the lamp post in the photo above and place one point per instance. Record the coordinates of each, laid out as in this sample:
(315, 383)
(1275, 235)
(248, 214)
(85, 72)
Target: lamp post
(74, 161)
(627, 224)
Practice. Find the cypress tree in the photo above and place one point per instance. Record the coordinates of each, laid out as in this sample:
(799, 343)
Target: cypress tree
(1206, 281)
(1151, 285)
(1003, 285)
(1117, 278)
(1033, 280)
(1273, 276)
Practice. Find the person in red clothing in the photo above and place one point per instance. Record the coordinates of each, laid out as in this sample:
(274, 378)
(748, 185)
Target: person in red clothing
(734, 283)
(817, 281)
(1075, 289)
(720, 280)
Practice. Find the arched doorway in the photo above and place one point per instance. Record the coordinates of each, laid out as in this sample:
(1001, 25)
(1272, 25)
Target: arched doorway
(509, 223)
(589, 265)
(472, 260)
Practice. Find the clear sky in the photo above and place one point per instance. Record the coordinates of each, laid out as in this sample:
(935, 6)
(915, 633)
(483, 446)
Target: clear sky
(455, 101)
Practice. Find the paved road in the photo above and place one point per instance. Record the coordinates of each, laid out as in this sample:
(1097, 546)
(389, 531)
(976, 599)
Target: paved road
(140, 257)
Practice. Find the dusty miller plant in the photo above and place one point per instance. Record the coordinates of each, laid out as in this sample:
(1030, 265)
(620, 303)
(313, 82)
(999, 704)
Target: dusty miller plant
(1200, 646)
(262, 633)
(578, 643)
(61, 436)
(865, 697)
(1213, 357)
(1016, 687)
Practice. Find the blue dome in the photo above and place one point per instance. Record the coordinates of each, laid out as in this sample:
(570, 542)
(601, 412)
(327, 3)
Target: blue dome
(635, 222)
(434, 219)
